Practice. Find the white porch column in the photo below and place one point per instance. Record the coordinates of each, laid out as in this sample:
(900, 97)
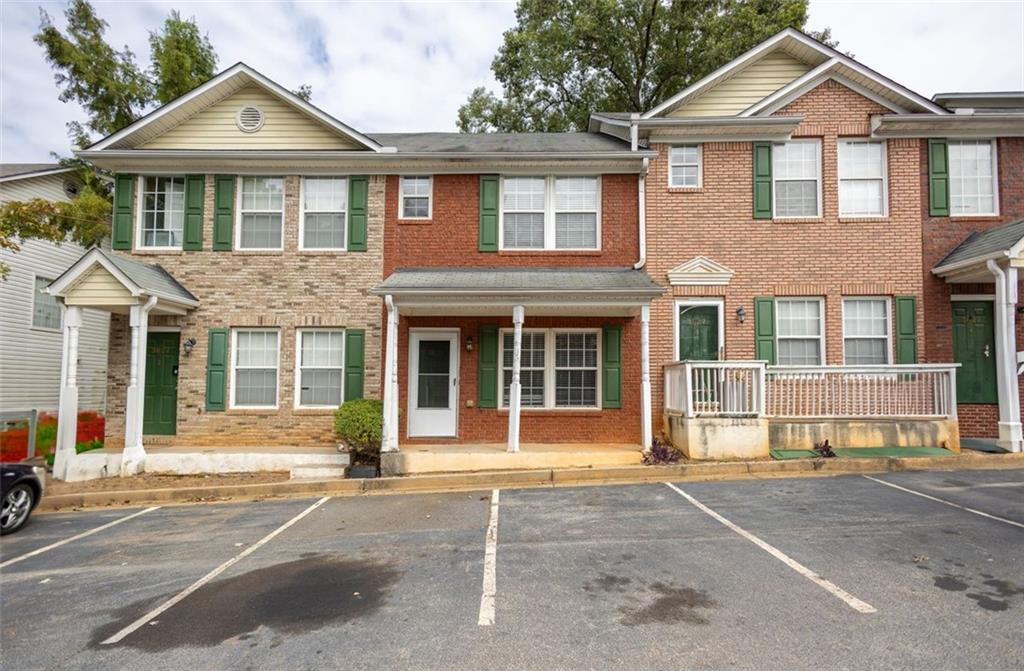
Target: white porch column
(134, 454)
(1010, 437)
(645, 376)
(390, 381)
(67, 413)
(515, 389)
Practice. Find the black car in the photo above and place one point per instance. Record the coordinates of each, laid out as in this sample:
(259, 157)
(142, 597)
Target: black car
(21, 488)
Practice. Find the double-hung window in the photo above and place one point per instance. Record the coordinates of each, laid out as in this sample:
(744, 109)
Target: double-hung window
(796, 176)
(972, 183)
(532, 358)
(866, 331)
(576, 369)
(684, 166)
(415, 194)
(558, 369)
(162, 215)
(550, 213)
(261, 213)
(320, 368)
(324, 207)
(862, 178)
(255, 368)
(45, 309)
(800, 331)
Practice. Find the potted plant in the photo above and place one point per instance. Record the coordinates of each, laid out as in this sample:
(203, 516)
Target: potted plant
(359, 424)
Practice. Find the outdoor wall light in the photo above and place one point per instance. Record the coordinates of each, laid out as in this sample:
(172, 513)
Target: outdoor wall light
(469, 344)
(741, 314)
(190, 344)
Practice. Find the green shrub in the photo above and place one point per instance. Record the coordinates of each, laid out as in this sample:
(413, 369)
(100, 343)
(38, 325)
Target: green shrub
(359, 424)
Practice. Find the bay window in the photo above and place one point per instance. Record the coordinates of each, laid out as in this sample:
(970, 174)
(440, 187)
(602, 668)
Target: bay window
(862, 179)
(972, 182)
(550, 212)
(796, 177)
(866, 331)
(261, 213)
(558, 368)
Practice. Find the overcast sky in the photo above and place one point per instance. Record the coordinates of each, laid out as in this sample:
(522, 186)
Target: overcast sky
(387, 66)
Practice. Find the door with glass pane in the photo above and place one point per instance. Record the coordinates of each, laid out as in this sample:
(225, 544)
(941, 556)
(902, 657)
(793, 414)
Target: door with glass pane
(433, 383)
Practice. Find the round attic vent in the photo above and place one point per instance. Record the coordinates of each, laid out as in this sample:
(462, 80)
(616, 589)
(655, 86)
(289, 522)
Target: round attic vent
(249, 119)
(71, 188)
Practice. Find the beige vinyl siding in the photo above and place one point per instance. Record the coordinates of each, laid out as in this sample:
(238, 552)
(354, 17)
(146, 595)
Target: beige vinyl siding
(284, 127)
(743, 89)
(50, 187)
(99, 287)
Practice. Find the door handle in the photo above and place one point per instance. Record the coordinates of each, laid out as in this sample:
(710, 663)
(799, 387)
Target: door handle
(987, 352)
(455, 381)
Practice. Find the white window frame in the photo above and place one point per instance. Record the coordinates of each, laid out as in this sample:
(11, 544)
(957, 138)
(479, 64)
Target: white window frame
(32, 312)
(821, 330)
(549, 370)
(402, 196)
(233, 356)
(239, 213)
(995, 181)
(302, 215)
(839, 178)
(298, 365)
(888, 327)
(549, 215)
(776, 180)
(140, 209)
(699, 164)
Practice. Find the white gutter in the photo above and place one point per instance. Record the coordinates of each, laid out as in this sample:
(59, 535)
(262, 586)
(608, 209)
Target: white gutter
(642, 214)
(353, 155)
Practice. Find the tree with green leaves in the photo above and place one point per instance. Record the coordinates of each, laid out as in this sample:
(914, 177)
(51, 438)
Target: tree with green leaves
(564, 60)
(181, 58)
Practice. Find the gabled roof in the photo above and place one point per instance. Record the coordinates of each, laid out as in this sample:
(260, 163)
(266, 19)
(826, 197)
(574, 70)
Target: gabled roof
(826, 63)
(13, 171)
(216, 89)
(138, 277)
(1005, 241)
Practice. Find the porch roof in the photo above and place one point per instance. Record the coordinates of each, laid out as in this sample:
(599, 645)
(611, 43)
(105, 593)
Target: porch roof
(1003, 242)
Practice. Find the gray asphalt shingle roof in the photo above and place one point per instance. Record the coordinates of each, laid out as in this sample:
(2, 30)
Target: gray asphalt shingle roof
(12, 169)
(149, 276)
(516, 280)
(511, 143)
(983, 244)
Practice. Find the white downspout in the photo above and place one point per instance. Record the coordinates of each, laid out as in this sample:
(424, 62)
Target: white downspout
(642, 213)
(1010, 436)
(390, 381)
(645, 376)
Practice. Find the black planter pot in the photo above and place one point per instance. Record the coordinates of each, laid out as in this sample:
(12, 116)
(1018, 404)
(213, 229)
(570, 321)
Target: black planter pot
(362, 471)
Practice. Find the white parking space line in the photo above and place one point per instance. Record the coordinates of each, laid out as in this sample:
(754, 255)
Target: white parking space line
(490, 586)
(841, 594)
(211, 575)
(948, 503)
(76, 537)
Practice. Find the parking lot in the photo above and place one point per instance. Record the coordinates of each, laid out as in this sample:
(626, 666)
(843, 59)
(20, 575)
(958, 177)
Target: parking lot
(836, 572)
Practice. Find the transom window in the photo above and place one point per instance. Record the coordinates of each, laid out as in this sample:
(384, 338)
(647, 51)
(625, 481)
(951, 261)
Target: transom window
(557, 369)
(796, 176)
(801, 331)
(45, 308)
(862, 178)
(324, 208)
(972, 170)
(866, 331)
(320, 365)
(550, 213)
(255, 369)
(415, 197)
(261, 213)
(684, 166)
(163, 211)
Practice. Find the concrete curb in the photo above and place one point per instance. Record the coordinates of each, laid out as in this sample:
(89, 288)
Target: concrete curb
(728, 470)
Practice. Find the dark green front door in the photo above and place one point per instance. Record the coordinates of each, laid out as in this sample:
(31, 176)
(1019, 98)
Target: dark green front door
(698, 332)
(160, 412)
(974, 348)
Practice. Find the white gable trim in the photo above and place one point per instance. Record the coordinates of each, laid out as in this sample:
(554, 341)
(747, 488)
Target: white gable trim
(799, 87)
(700, 271)
(80, 268)
(235, 71)
(37, 173)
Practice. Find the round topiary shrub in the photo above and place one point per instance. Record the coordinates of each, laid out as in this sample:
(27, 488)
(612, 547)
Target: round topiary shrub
(359, 424)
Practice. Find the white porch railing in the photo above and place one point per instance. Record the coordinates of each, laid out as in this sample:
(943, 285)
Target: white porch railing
(754, 389)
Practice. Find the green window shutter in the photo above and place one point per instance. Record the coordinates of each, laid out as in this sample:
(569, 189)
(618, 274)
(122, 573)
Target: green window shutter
(487, 368)
(223, 212)
(355, 344)
(195, 187)
(489, 213)
(762, 180)
(216, 369)
(124, 195)
(906, 329)
(611, 371)
(764, 329)
(938, 178)
(358, 206)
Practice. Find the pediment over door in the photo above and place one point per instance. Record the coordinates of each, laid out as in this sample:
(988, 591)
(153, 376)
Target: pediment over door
(700, 271)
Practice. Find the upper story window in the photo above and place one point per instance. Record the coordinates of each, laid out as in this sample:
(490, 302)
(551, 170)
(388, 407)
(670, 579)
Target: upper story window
(415, 197)
(972, 183)
(684, 166)
(261, 213)
(45, 308)
(324, 207)
(550, 213)
(862, 179)
(866, 331)
(796, 177)
(162, 215)
(800, 331)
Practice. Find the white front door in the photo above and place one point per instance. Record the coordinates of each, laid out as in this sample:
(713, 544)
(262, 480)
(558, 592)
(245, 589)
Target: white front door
(433, 383)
